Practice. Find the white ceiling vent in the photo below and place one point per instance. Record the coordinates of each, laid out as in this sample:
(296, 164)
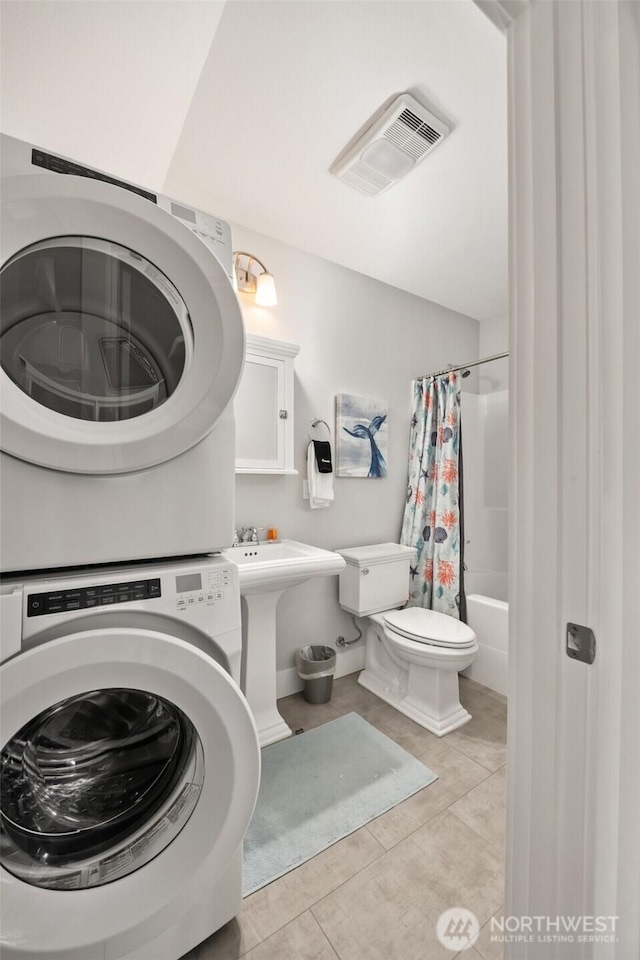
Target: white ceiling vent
(396, 140)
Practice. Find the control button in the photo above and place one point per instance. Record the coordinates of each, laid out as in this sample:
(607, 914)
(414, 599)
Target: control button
(70, 605)
(72, 594)
(182, 603)
(92, 602)
(55, 607)
(36, 604)
(191, 600)
(123, 597)
(106, 590)
(139, 595)
(209, 596)
(153, 587)
(103, 601)
(219, 595)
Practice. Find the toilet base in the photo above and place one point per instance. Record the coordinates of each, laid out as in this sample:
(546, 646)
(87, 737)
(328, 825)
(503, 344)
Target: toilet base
(444, 723)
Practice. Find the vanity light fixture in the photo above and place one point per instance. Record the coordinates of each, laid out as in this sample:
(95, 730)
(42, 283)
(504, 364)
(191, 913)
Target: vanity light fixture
(250, 281)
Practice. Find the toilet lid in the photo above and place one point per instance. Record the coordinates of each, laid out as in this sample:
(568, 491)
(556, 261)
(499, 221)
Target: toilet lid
(427, 626)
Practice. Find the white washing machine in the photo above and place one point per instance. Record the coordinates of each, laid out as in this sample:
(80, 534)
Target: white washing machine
(129, 761)
(122, 345)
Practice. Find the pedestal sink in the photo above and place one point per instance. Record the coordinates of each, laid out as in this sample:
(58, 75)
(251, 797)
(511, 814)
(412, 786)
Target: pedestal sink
(266, 570)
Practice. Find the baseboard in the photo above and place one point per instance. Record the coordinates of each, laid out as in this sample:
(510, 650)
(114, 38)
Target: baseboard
(349, 661)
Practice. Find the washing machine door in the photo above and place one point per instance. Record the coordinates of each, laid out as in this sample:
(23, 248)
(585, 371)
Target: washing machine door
(130, 768)
(121, 337)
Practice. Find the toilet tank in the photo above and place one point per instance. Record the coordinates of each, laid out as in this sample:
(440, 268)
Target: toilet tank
(375, 578)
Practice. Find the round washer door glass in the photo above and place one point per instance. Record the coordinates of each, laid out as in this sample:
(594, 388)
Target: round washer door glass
(96, 786)
(91, 329)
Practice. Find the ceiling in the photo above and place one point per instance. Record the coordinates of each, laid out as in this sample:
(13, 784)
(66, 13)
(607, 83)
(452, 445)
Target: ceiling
(240, 108)
(107, 83)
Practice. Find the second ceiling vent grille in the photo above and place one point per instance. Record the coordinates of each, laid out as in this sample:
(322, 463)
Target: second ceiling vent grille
(390, 147)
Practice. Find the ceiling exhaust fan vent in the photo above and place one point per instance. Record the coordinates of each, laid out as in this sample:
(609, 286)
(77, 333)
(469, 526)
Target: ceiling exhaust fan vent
(366, 178)
(398, 138)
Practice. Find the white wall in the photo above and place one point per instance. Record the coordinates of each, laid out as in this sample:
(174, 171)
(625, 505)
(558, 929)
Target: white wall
(485, 433)
(359, 336)
(494, 338)
(485, 444)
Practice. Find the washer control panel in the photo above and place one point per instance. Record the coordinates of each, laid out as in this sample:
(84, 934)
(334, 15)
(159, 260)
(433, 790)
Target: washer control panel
(84, 598)
(202, 586)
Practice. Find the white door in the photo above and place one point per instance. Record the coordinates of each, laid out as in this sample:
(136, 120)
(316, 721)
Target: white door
(129, 762)
(574, 763)
(122, 339)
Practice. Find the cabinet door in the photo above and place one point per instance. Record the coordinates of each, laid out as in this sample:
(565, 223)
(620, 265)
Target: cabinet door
(261, 415)
(263, 408)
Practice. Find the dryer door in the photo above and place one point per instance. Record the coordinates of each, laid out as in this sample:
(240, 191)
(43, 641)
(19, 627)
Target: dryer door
(121, 337)
(129, 761)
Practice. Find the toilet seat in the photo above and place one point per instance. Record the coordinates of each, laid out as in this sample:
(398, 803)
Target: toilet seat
(430, 628)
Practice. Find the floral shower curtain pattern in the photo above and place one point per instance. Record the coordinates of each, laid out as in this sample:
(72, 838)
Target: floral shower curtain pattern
(432, 520)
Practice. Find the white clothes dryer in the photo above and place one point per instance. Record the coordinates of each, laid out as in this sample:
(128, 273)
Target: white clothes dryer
(122, 345)
(129, 761)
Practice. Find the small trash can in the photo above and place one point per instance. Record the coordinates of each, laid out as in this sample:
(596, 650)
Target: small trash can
(316, 666)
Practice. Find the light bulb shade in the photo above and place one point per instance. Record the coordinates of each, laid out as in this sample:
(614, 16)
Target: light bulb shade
(266, 290)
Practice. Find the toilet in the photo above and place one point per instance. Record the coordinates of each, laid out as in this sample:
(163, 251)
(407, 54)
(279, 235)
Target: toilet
(413, 655)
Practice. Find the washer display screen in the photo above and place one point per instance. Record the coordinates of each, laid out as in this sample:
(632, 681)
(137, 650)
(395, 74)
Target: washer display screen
(188, 582)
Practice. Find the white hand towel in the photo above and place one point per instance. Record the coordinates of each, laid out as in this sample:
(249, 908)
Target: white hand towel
(320, 484)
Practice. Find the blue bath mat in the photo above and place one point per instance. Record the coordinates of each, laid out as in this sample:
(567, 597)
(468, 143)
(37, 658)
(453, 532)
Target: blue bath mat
(319, 787)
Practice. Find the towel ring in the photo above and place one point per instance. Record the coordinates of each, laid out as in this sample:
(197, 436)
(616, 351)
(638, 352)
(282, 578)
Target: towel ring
(316, 423)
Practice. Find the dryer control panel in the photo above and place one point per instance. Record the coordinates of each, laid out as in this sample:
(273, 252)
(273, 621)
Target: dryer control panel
(19, 157)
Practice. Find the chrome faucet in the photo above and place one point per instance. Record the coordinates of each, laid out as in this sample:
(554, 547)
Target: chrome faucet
(249, 535)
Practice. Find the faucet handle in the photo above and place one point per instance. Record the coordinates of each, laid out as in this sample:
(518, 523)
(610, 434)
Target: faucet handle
(249, 534)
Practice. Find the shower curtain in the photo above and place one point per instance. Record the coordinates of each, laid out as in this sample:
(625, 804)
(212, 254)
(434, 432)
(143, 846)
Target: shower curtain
(433, 519)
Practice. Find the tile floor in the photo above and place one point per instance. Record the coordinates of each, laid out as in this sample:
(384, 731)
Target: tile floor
(376, 895)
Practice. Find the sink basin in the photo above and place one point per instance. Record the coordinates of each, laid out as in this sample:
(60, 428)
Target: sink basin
(281, 564)
(266, 570)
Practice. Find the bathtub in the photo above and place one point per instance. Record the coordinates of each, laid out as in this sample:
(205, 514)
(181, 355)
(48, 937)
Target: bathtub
(488, 617)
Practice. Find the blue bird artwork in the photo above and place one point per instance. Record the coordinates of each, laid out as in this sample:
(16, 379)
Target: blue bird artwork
(364, 421)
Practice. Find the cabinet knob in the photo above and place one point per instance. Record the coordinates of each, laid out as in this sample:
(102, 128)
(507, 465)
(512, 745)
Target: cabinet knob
(364, 571)
(284, 414)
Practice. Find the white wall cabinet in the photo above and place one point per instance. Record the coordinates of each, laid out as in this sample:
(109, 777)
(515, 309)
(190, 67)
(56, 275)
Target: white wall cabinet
(263, 408)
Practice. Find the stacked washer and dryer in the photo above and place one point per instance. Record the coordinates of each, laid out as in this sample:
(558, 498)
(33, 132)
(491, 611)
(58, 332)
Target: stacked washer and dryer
(129, 760)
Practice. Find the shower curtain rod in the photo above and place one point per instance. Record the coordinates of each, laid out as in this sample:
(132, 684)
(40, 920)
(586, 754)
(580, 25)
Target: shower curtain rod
(464, 366)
